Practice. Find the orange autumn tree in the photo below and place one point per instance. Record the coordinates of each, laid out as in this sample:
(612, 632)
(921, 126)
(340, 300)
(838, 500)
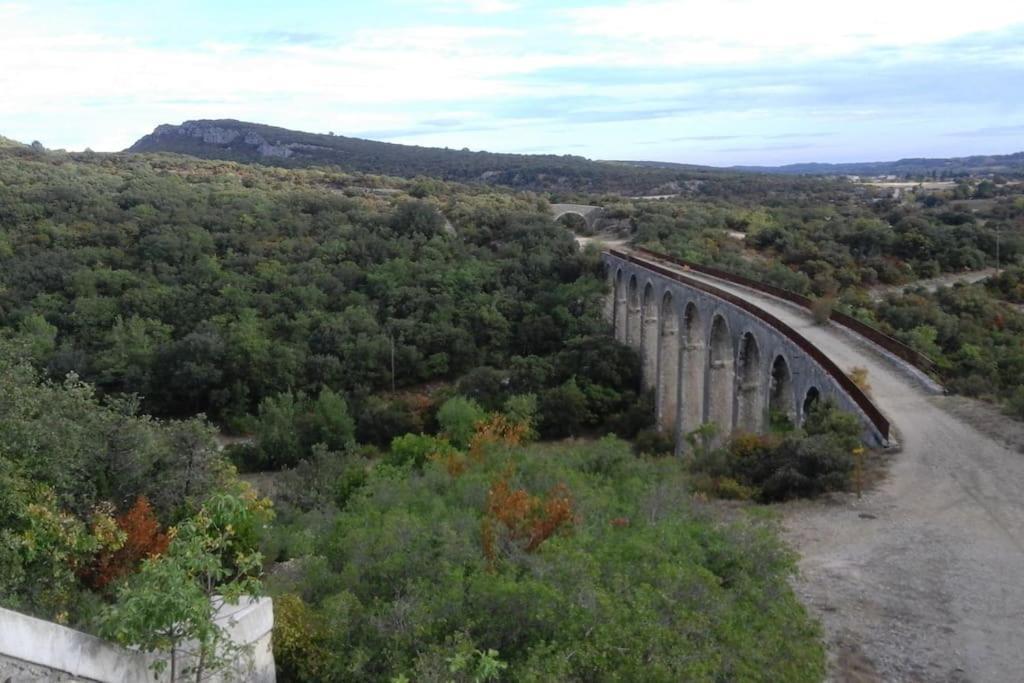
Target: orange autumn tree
(143, 539)
(516, 518)
(493, 429)
(496, 429)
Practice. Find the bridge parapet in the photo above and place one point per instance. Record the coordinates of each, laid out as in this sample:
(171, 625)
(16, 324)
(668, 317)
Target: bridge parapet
(714, 357)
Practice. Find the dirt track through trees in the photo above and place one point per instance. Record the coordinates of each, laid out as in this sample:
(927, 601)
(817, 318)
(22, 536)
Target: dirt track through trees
(922, 579)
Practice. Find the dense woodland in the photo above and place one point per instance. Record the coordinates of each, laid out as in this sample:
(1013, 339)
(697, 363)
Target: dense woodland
(215, 288)
(399, 356)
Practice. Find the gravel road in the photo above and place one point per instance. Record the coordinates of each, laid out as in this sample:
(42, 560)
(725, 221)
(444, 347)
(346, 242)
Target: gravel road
(922, 579)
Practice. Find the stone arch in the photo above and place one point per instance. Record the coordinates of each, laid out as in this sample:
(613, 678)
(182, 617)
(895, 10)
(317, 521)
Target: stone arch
(591, 215)
(649, 337)
(668, 365)
(633, 312)
(621, 306)
(812, 396)
(750, 390)
(720, 381)
(781, 402)
(574, 221)
(692, 368)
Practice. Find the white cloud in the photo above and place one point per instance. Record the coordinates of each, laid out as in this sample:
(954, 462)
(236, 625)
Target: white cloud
(564, 80)
(478, 6)
(747, 31)
(347, 84)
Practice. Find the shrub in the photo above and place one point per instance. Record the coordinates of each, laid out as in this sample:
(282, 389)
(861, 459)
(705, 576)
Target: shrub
(859, 376)
(401, 586)
(821, 309)
(1015, 406)
(797, 464)
(415, 450)
(653, 441)
(458, 417)
(142, 539)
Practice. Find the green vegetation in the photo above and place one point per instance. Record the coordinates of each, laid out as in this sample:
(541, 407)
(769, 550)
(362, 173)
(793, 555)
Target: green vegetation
(570, 563)
(834, 242)
(974, 337)
(80, 542)
(391, 347)
(258, 296)
(789, 463)
(246, 142)
(825, 239)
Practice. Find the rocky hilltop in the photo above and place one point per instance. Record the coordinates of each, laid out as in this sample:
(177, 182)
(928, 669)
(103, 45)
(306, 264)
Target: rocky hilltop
(257, 143)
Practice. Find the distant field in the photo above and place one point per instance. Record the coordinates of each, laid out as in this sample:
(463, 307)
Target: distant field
(930, 185)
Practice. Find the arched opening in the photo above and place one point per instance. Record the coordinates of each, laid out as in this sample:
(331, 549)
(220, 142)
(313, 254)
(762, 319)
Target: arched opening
(633, 313)
(780, 396)
(668, 366)
(810, 399)
(649, 338)
(620, 307)
(750, 403)
(720, 376)
(575, 222)
(691, 385)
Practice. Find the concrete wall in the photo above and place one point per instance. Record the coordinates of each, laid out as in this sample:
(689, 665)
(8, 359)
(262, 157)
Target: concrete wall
(36, 650)
(722, 363)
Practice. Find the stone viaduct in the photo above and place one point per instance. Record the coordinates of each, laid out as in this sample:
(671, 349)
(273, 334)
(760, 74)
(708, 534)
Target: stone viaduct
(713, 357)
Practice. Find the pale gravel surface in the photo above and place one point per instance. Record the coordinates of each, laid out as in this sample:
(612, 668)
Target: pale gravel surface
(921, 579)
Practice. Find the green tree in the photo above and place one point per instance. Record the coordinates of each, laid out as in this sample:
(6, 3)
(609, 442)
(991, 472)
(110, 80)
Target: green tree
(458, 417)
(277, 430)
(330, 422)
(174, 598)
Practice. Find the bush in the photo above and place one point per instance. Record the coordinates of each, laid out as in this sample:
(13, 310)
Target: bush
(414, 450)
(821, 309)
(381, 420)
(578, 563)
(653, 441)
(1015, 406)
(776, 467)
(458, 418)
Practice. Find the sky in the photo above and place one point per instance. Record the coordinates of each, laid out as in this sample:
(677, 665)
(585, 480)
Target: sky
(718, 82)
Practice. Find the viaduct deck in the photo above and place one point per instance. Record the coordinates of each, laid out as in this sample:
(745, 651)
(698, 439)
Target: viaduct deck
(921, 579)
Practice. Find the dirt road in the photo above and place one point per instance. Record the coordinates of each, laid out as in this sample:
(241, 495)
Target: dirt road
(932, 284)
(923, 578)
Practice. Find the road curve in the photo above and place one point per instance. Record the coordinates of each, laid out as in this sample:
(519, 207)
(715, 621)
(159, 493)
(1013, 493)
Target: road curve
(923, 578)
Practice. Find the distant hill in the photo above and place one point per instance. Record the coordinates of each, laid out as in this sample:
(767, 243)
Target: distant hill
(252, 142)
(1010, 164)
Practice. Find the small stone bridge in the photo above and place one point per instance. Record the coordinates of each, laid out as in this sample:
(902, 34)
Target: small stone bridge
(590, 214)
(712, 356)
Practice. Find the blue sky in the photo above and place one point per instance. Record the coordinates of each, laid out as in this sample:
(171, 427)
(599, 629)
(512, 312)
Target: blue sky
(695, 81)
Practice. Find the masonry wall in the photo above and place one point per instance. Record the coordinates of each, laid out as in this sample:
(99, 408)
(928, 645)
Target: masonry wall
(36, 650)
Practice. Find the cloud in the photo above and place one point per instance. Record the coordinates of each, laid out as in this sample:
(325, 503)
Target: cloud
(799, 31)
(705, 138)
(989, 132)
(477, 6)
(689, 77)
(769, 148)
(295, 37)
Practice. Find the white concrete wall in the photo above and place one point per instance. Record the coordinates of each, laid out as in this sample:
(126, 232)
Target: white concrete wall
(36, 650)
